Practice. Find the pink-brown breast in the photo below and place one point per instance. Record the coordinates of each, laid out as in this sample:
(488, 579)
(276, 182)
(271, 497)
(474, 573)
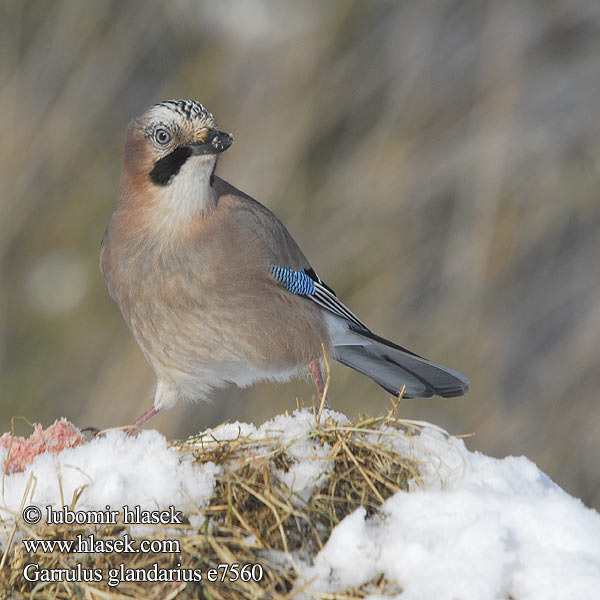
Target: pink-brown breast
(205, 296)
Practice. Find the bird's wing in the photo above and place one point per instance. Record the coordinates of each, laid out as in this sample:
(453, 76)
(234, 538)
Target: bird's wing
(286, 262)
(355, 345)
(260, 227)
(391, 366)
(307, 283)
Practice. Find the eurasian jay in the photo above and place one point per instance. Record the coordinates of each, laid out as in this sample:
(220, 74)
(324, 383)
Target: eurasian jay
(214, 287)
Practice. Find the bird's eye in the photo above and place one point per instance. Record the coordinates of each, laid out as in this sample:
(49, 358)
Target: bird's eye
(162, 136)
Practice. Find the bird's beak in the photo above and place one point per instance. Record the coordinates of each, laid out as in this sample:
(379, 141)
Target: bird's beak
(217, 142)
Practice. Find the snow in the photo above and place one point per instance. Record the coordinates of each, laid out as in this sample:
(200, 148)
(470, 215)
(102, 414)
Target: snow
(292, 432)
(114, 470)
(504, 531)
(477, 528)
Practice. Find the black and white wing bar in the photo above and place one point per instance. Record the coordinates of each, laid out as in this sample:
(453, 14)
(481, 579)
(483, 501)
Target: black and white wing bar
(327, 299)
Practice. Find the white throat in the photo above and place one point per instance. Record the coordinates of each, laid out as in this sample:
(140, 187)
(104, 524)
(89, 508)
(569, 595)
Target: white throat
(189, 194)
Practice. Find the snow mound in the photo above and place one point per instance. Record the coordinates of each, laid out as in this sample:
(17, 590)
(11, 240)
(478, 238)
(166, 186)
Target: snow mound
(114, 470)
(504, 530)
(468, 526)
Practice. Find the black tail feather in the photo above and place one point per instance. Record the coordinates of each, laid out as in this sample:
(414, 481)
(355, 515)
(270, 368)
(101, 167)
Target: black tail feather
(393, 367)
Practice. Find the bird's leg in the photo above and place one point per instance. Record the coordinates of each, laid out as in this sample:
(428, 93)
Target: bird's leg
(315, 369)
(142, 420)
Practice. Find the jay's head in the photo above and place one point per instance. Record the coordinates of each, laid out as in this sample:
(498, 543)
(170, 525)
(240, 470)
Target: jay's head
(171, 140)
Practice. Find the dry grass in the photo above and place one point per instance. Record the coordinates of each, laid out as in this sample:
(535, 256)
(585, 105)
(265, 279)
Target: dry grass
(252, 517)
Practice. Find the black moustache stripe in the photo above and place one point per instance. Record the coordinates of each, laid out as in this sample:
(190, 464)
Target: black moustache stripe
(167, 167)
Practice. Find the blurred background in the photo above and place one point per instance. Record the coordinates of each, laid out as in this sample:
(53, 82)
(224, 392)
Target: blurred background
(437, 162)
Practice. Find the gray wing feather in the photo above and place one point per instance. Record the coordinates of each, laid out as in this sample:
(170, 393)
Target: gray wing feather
(258, 223)
(389, 365)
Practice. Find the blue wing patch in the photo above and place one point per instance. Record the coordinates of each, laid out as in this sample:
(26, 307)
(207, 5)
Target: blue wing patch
(303, 284)
(297, 282)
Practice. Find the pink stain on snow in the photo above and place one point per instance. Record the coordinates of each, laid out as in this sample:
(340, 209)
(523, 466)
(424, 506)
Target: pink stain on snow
(21, 451)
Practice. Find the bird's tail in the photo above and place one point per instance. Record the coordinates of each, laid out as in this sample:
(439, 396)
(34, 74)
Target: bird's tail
(393, 367)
